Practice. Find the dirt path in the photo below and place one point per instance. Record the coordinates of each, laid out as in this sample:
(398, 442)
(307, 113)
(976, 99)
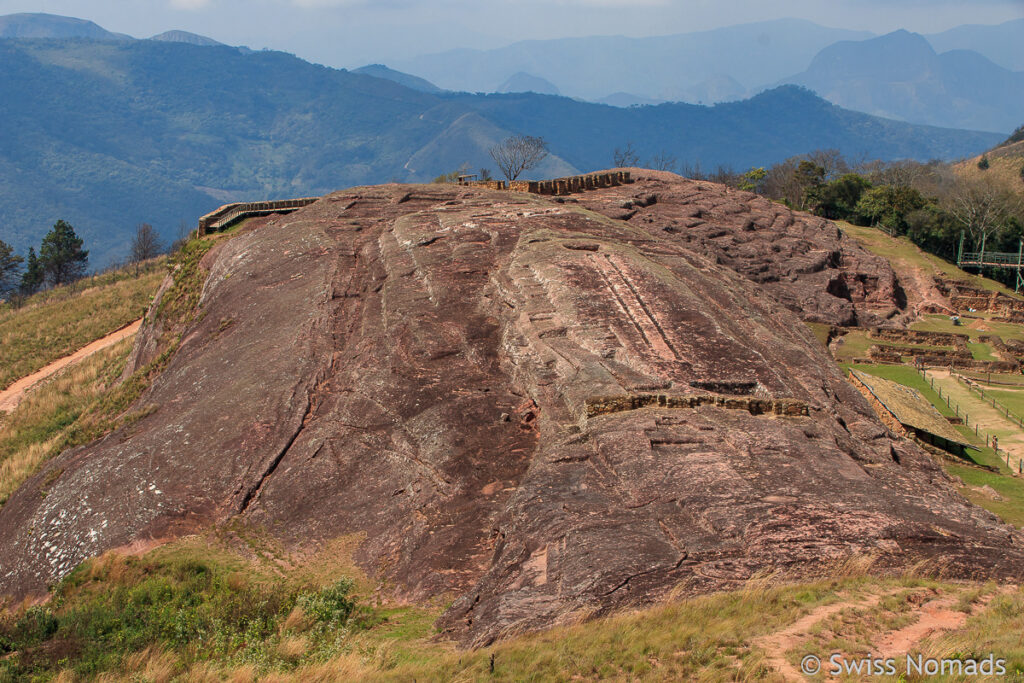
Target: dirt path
(936, 615)
(932, 616)
(988, 419)
(926, 291)
(12, 395)
(777, 644)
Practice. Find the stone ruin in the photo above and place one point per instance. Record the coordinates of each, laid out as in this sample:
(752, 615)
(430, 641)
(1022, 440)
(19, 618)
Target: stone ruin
(966, 299)
(558, 186)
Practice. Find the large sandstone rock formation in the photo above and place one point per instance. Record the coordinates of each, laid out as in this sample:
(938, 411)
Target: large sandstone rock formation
(806, 263)
(524, 404)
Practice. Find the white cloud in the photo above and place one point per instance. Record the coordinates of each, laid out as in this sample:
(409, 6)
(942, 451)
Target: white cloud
(190, 4)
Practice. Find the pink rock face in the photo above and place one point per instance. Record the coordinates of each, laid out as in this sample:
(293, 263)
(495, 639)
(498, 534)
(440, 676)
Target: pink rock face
(530, 406)
(804, 262)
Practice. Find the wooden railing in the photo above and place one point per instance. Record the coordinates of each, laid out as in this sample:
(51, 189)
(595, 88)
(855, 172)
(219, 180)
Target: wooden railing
(229, 214)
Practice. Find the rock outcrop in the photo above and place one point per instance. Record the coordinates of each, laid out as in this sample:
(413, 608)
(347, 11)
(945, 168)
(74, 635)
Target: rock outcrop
(806, 263)
(535, 408)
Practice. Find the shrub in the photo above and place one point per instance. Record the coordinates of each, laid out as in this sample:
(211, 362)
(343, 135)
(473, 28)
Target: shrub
(200, 607)
(983, 162)
(332, 605)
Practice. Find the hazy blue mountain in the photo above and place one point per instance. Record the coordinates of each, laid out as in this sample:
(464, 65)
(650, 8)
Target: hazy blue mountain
(109, 134)
(625, 99)
(717, 88)
(465, 144)
(761, 130)
(186, 37)
(408, 80)
(39, 25)
(661, 67)
(900, 76)
(524, 82)
(1002, 43)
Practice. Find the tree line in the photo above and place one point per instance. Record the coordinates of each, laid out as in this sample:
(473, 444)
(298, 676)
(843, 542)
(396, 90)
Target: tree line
(929, 203)
(61, 260)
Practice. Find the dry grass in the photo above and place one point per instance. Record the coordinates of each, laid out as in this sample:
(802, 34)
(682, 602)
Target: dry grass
(34, 431)
(58, 322)
(905, 258)
(714, 637)
(1005, 164)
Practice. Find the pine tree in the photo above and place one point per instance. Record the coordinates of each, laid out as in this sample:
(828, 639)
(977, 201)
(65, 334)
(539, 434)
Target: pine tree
(10, 264)
(32, 278)
(62, 255)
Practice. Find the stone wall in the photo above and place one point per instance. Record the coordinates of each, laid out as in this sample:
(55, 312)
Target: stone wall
(603, 405)
(964, 298)
(919, 352)
(578, 183)
(486, 184)
(919, 337)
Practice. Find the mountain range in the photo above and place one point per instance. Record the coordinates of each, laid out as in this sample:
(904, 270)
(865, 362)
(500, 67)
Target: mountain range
(110, 132)
(967, 77)
(661, 67)
(901, 76)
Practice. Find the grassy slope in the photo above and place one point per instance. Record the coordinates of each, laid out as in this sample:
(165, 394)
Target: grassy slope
(904, 256)
(230, 606)
(57, 322)
(33, 432)
(1005, 164)
(85, 401)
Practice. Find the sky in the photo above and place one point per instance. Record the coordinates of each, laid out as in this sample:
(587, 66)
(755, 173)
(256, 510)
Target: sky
(351, 33)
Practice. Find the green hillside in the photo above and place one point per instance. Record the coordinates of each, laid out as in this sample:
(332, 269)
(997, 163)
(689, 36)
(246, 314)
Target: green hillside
(109, 134)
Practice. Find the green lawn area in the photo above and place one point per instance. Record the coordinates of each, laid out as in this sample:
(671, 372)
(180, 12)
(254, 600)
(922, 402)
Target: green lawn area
(821, 331)
(1014, 400)
(853, 345)
(981, 351)
(942, 323)
(1011, 489)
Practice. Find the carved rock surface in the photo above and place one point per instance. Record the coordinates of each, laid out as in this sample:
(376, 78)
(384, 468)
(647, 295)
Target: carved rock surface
(806, 263)
(530, 407)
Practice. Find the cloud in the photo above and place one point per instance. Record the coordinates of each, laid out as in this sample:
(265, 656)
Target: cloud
(191, 5)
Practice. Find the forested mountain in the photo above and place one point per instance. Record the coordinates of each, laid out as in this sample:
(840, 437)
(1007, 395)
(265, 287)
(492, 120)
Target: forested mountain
(107, 134)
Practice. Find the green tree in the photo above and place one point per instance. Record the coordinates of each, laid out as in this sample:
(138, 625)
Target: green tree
(10, 264)
(62, 255)
(838, 199)
(808, 177)
(888, 206)
(983, 162)
(32, 278)
(934, 230)
(751, 180)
